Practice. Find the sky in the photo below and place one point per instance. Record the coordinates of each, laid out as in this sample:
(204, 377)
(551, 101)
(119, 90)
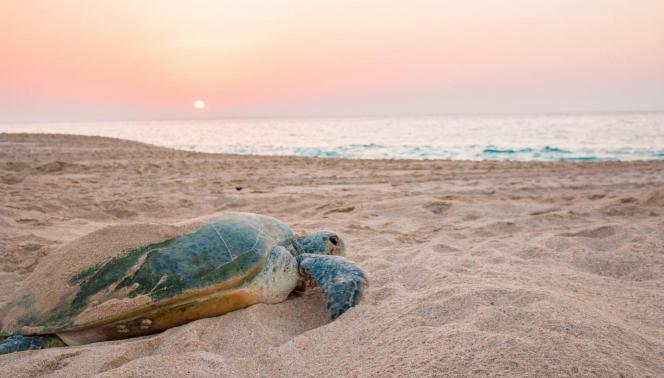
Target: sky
(78, 60)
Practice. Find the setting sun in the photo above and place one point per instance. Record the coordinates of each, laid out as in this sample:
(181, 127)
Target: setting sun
(199, 105)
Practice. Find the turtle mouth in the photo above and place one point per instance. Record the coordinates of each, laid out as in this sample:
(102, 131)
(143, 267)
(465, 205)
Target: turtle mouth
(331, 249)
(338, 250)
(336, 247)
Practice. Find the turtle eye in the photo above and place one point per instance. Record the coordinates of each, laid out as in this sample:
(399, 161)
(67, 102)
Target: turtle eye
(334, 239)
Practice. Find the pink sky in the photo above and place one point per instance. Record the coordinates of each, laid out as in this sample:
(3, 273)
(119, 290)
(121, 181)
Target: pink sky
(97, 60)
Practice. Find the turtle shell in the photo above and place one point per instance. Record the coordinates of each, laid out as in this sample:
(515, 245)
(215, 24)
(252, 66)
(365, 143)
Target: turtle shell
(122, 272)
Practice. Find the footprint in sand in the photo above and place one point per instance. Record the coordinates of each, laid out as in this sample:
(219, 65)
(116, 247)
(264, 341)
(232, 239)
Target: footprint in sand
(11, 179)
(32, 222)
(54, 166)
(595, 233)
(347, 209)
(438, 207)
(121, 213)
(444, 248)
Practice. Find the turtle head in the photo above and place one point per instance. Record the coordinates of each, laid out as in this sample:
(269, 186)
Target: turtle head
(321, 243)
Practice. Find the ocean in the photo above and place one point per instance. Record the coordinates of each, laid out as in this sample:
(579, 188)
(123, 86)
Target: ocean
(572, 137)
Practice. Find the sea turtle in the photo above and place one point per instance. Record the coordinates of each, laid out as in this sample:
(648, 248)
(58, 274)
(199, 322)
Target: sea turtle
(133, 280)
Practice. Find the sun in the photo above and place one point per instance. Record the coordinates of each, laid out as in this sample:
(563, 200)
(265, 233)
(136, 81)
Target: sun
(199, 104)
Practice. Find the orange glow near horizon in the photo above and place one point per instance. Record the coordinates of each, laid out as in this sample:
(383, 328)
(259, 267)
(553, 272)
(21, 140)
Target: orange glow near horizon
(77, 59)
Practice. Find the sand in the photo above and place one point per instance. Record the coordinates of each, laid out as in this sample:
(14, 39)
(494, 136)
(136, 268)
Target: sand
(476, 268)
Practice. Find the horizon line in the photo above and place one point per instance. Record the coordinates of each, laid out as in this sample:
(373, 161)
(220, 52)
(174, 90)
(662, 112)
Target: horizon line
(348, 116)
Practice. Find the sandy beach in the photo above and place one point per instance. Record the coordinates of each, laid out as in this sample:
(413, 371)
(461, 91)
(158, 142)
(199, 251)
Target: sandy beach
(476, 268)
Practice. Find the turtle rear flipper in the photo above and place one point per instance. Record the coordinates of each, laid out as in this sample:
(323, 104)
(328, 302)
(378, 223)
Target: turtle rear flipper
(18, 343)
(339, 278)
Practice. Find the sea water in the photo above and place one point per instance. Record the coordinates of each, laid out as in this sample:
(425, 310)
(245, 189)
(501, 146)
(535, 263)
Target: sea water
(577, 137)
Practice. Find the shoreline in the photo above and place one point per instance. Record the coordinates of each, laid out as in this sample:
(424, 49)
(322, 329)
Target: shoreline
(121, 140)
(485, 268)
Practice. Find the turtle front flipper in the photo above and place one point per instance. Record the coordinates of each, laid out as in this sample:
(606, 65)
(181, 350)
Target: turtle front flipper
(18, 343)
(339, 278)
